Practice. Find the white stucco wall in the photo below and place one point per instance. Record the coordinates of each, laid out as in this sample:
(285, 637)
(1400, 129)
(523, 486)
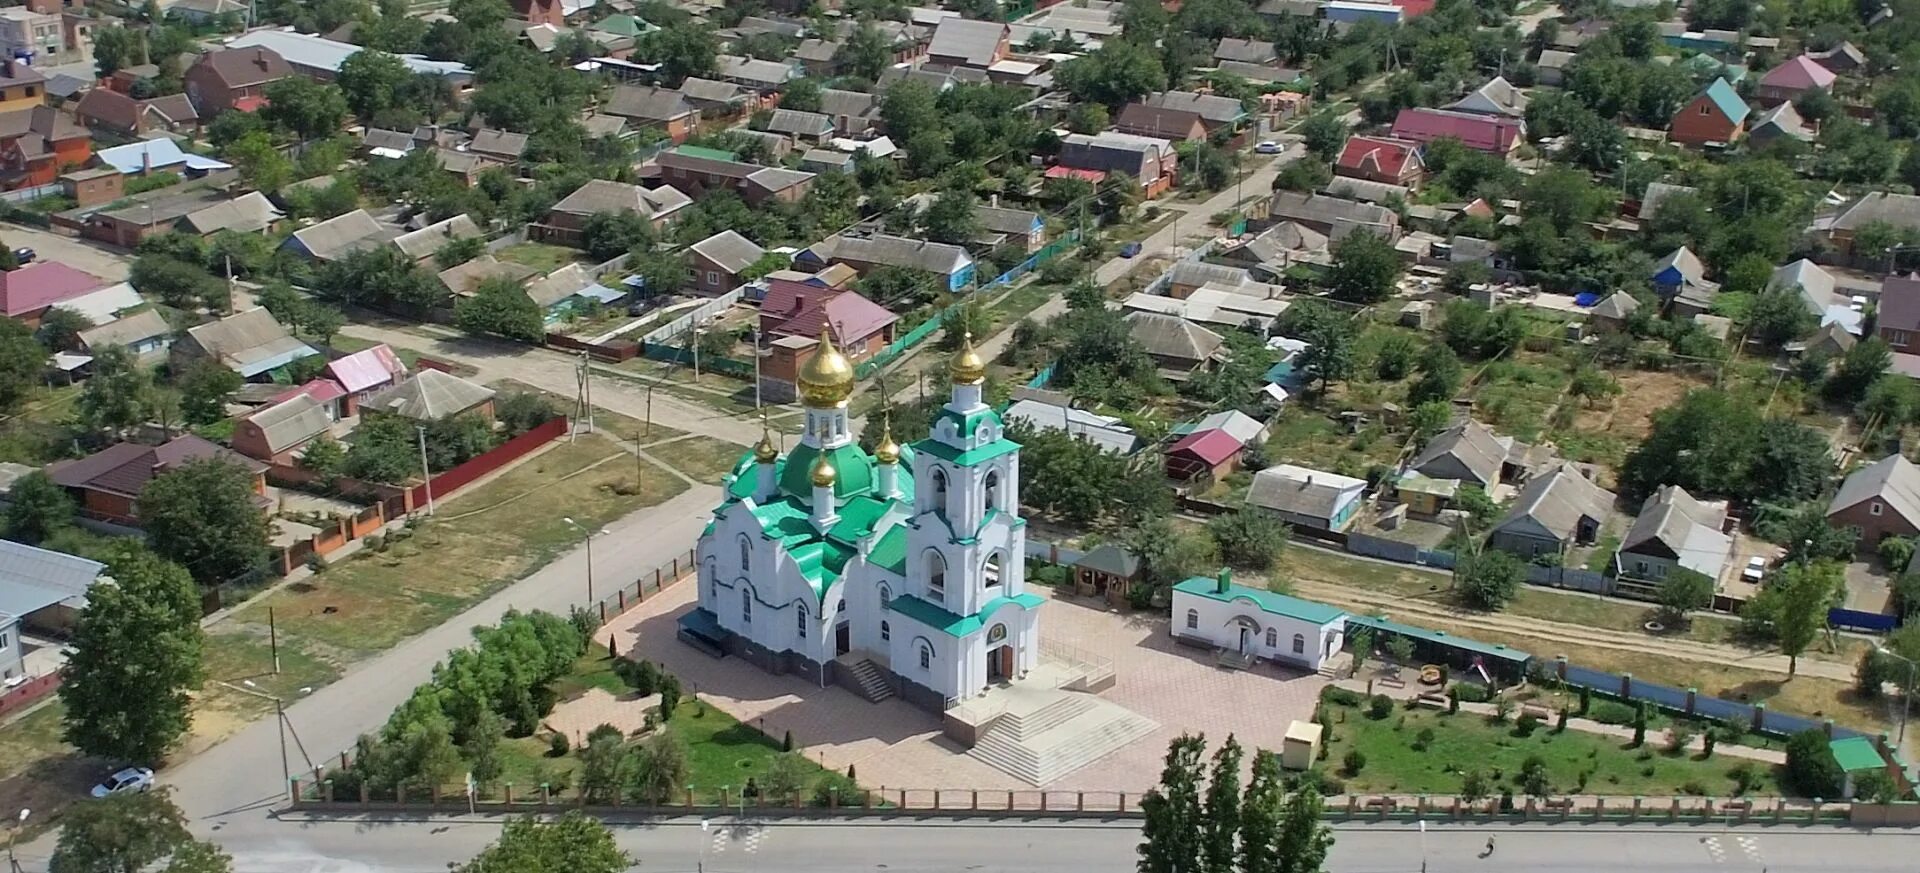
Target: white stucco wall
(1219, 623)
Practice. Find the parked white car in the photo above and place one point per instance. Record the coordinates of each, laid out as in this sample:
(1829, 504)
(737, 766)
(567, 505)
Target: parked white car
(1267, 147)
(129, 781)
(1756, 569)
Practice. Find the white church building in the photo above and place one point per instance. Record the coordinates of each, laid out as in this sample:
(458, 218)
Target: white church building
(897, 572)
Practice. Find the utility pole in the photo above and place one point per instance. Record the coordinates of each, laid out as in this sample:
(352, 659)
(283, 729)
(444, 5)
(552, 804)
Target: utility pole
(756, 367)
(426, 472)
(273, 640)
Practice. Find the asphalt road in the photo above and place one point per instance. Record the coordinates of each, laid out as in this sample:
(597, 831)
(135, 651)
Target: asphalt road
(910, 845)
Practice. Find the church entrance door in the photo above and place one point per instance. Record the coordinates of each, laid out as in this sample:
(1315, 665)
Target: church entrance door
(842, 639)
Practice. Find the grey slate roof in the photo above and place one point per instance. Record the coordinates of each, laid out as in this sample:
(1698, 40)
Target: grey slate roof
(245, 339)
(568, 281)
(1674, 524)
(758, 73)
(343, 235)
(1656, 193)
(1300, 491)
(896, 251)
(1212, 107)
(1168, 336)
(464, 278)
(1112, 560)
(1000, 219)
(972, 42)
(648, 104)
(1250, 51)
(852, 104)
(145, 324)
(251, 212)
(498, 144)
(710, 90)
(424, 242)
(731, 251)
(430, 395)
(292, 422)
(793, 122)
(1496, 97)
(1558, 501)
(1470, 444)
(1617, 306)
(1198, 273)
(1103, 431)
(1900, 210)
(602, 195)
(1893, 480)
(32, 579)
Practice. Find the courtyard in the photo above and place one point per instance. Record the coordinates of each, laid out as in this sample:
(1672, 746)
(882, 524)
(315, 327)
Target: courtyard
(895, 745)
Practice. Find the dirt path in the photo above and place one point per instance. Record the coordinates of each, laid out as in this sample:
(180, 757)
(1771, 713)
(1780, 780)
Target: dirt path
(1557, 632)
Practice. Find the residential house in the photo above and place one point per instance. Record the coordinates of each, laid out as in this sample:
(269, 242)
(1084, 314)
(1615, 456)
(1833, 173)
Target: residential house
(43, 590)
(431, 395)
(1333, 217)
(826, 161)
(143, 333)
(106, 485)
(1797, 77)
(251, 343)
(251, 212)
(714, 98)
(1900, 210)
(233, 79)
(1366, 191)
(1782, 122)
(1551, 67)
(1898, 318)
(1553, 513)
(28, 33)
(699, 170)
(21, 86)
(365, 373)
(28, 292)
(498, 146)
(1844, 59)
(1494, 134)
(1496, 97)
(1151, 162)
(464, 279)
(107, 111)
(38, 144)
(1275, 249)
(1882, 499)
(1246, 51)
(1717, 116)
(797, 311)
(1018, 228)
(852, 112)
(1656, 194)
(819, 58)
(811, 128)
(340, 236)
(421, 245)
(278, 433)
(1255, 623)
(1307, 498)
(159, 154)
(320, 58)
(1107, 572)
(106, 304)
(93, 187)
(1681, 281)
(1674, 531)
(1819, 291)
(537, 12)
(1178, 125)
(653, 107)
(719, 261)
(1378, 159)
(1210, 455)
(567, 220)
(1468, 452)
(864, 251)
(1057, 413)
(567, 289)
(1186, 277)
(964, 42)
(1610, 315)
(1178, 348)
(763, 78)
(1218, 112)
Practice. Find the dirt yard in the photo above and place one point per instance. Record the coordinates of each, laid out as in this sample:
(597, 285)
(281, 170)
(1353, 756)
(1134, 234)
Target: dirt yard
(1642, 393)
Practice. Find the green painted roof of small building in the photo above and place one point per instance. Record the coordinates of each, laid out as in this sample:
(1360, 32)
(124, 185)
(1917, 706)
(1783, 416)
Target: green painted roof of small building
(704, 152)
(622, 24)
(953, 624)
(1856, 753)
(1268, 601)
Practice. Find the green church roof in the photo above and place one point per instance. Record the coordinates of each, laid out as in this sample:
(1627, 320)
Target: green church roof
(950, 623)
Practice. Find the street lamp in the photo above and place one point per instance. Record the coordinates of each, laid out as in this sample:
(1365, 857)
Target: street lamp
(590, 535)
(13, 863)
(1906, 692)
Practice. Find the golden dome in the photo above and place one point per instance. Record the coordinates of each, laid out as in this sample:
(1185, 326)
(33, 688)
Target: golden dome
(967, 367)
(826, 379)
(823, 473)
(765, 452)
(888, 451)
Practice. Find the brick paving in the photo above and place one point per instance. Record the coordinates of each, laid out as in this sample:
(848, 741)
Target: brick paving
(578, 717)
(893, 744)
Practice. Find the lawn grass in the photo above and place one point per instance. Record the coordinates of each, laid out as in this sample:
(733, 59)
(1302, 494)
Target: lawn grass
(371, 601)
(1021, 302)
(540, 256)
(1465, 741)
(42, 429)
(32, 738)
(1516, 397)
(239, 655)
(703, 459)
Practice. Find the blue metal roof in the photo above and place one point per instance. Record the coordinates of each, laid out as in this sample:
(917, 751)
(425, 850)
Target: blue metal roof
(158, 154)
(1727, 101)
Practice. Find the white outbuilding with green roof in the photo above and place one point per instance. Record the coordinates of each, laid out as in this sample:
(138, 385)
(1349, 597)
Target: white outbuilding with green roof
(1255, 623)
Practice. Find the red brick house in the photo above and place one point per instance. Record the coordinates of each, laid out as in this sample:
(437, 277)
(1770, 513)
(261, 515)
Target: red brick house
(1379, 159)
(795, 312)
(234, 79)
(1787, 82)
(38, 144)
(1882, 499)
(107, 484)
(1178, 125)
(1716, 115)
(1212, 453)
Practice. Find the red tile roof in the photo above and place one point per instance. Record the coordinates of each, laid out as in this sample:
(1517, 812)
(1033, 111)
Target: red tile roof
(1799, 74)
(1379, 155)
(37, 286)
(322, 390)
(854, 318)
(375, 367)
(1484, 133)
(1074, 173)
(1213, 447)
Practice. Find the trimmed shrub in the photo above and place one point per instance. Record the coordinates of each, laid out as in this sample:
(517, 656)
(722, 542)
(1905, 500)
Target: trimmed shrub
(1612, 712)
(1379, 707)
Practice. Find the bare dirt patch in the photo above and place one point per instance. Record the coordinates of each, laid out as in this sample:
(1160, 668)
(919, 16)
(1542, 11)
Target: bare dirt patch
(1642, 393)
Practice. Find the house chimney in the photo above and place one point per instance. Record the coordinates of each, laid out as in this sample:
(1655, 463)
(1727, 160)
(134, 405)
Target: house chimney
(1225, 581)
(994, 201)
(146, 162)
(260, 57)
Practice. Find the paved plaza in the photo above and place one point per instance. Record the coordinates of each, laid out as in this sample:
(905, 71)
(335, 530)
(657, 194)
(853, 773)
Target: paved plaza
(896, 745)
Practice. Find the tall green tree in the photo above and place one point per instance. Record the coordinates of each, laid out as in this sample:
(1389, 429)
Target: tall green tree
(1304, 835)
(305, 108)
(120, 394)
(36, 507)
(1261, 816)
(1172, 835)
(572, 843)
(1807, 592)
(205, 386)
(1222, 812)
(203, 515)
(130, 833)
(1329, 335)
(369, 81)
(1365, 267)
(501, 307)
(135, 659)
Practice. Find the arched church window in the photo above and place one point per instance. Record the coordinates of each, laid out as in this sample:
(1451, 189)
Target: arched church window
(992, 570)
(886, 598)
(800, 616)
(1299, 644)
(1273, 638)
(926, 656)
(746, 606)
(1193, 619)
(746, 554)
(886, 632)
(939, 489)
(936, 575)
(993, 489)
